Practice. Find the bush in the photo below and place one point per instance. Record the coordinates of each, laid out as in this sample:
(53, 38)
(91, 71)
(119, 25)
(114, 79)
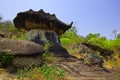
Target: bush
(8, 29)
(65, 41)
(70, 37)
(42, 73)
(6, 59)
(49, 58)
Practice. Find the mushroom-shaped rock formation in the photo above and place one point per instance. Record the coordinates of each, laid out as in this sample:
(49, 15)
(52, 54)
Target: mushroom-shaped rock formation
(40, 20)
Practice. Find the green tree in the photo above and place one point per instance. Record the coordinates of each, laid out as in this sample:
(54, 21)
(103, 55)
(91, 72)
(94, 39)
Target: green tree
(96, 39)
(8, 29)
(0, 18)
(118, 36)
(72, 32)
(91, 35)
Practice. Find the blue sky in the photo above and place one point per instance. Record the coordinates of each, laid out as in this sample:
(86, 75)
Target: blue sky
(89, 16)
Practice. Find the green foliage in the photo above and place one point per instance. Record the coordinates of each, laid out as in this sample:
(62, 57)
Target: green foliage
(7, 28)
(117, 76)
(52, 70)
(101, 41)
(42, 73)
(47, 45)
(65, 41)
(23, 73)
(70, 37)
(115, 43)
(0, 18)
(70, 33)
(90, 35)
(98, 40)
(49, 58)
(6, 59)
(118, 36)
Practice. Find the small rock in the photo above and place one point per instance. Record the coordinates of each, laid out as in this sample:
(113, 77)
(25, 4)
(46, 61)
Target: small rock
(92, 59)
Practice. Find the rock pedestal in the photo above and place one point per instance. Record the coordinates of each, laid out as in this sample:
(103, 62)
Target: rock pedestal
(41, 36)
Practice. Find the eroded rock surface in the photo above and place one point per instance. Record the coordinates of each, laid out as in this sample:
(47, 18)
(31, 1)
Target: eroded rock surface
(40, 20)
(59, 51)
(78, 70)
(41, 36)
(103, 52)
(25, 53)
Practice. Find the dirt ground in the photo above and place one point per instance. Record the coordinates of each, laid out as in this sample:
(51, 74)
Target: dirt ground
(76, 70)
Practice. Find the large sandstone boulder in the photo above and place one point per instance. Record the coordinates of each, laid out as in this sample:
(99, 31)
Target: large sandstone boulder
(88, 55)
(25, 53)
(30, 19)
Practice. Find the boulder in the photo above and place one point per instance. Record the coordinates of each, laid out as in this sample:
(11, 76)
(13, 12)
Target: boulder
(103, 52)
(92, 59)
(82, 48)
(89, 55)
(41, 36)
(48, 29)
(30, 19)
(90, 48)
(25, 53)
(59, 51)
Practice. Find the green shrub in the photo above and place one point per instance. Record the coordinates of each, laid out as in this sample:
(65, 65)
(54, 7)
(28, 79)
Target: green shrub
(117, 76)
(47, 45)
(23, 73)
(49, 57)
(42, 73)
(50, 71)
(65, 41)
(9, 30)
(6, 59)
(70, 37)
(116, 42)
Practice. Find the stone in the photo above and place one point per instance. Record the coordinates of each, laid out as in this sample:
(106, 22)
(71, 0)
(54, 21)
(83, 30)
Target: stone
(43, 27)
(25, 53)
(92, 59)
(88, 54)
(40, 20)
(90, 48)
(82, 49)
(103, 52)
(59, 51)
(42, 36)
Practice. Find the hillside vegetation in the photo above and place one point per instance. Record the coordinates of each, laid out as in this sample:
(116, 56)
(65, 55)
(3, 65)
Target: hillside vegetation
(68, 40)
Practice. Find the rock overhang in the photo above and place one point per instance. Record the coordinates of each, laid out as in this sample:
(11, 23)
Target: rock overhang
(40, 20)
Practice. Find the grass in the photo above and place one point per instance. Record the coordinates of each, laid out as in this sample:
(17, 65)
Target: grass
(42, 73)
(117, 76)
(49, 58)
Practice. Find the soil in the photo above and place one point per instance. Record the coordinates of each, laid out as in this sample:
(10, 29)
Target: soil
(76, 70)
